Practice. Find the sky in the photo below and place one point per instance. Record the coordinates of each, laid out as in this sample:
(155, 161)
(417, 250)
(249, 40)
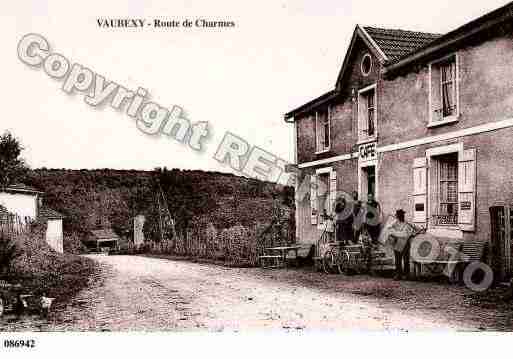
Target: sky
(279, 55)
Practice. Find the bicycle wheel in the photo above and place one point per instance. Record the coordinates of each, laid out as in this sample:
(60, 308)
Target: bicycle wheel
(342, 262)
(328, 262)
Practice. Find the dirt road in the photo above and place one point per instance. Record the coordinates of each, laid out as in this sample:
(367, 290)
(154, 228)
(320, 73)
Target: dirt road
(140, 293)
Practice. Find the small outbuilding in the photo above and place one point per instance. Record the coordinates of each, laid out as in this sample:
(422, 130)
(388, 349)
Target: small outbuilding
(25, 204)
(54, 233)
(102, 240)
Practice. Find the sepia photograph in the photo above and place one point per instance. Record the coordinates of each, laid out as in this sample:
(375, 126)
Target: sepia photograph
(284, 177)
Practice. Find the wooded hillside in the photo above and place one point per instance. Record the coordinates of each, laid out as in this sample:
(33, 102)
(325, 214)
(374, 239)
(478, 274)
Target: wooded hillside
(99, 198)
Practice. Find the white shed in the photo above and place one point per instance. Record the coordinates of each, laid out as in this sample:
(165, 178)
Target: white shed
(27, 203)
(54, 235)
(21, 200)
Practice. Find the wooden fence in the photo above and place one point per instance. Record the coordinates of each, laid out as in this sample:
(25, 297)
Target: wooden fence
(237, 245)
(13, 225)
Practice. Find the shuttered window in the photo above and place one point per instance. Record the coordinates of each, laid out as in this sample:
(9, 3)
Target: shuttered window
(444, 90)
(448, 90)
(419, 191)
(323, 194)
(467, 190)
(447, 189)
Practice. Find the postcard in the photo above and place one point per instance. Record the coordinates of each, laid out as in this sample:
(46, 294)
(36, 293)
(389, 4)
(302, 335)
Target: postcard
(285, 169)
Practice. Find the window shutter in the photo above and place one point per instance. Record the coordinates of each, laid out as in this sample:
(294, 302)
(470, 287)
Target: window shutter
(419, 190)
(362, 125)
(333, 191)
(467, 190)
(313, 198)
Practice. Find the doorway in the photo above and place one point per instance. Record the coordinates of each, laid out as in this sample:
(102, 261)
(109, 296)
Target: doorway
(367, 181)
(501, 235)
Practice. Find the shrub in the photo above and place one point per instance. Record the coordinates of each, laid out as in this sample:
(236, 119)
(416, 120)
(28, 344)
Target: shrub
(42, 270)
(8, 253)
(72, 244)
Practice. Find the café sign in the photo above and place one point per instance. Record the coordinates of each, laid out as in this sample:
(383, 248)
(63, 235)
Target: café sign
(367, 152)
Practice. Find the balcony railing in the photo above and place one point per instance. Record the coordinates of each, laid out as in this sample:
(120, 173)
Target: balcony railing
(444, 219)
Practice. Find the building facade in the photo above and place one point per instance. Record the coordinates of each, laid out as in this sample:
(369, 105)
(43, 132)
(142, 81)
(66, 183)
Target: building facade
(422, 121)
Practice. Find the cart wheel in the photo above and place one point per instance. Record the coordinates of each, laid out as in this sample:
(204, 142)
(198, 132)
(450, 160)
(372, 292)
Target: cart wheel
(1, 306)
(342, 262)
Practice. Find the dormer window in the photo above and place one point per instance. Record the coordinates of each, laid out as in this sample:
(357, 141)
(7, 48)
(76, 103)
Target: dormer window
(444, 91)
(322, 130)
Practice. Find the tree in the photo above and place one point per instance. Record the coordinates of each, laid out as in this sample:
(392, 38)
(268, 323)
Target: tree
(12, 166)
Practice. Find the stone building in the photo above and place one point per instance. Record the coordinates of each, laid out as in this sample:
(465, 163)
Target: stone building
(423, 121)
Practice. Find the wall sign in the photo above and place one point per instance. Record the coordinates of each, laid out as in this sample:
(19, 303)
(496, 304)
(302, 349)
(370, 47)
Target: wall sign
(465, 206)
(367, 152)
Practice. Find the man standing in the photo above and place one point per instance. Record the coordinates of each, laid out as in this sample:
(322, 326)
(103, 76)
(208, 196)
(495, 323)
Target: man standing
(357, 216)
(400, 233)
(344, 222)
(372, 217)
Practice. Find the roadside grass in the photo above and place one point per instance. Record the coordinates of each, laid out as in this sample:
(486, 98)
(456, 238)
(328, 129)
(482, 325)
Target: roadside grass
(42, 271)
(218, 262)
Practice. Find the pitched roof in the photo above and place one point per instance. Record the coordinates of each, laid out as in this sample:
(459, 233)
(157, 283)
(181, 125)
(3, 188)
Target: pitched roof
(387, 44)
(104, 234)
(46, 213)
(328, 96)
(21, 187)
(397, 48)
(396, 43)
(482, 24)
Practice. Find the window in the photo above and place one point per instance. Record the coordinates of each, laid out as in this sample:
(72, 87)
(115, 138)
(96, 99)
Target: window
(322, 198)
(366, 65)
(370, 113)
(448, 74)
(322, 129)
(444, 91)
(447, 190)
(367, 114)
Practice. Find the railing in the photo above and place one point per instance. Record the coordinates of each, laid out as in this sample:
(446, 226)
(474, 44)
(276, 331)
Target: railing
(444, 219)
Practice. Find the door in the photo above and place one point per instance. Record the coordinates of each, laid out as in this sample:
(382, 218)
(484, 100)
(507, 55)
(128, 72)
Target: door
(501, 233)
(367, 182)
(371, 180)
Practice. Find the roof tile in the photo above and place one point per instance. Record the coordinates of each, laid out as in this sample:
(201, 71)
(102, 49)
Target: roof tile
(396, 43)
(46, 213)
(104, 234)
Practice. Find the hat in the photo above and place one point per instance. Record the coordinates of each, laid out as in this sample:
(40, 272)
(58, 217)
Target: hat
(399, 212)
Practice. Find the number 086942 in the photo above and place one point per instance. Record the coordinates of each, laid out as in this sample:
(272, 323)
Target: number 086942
(28, 343)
